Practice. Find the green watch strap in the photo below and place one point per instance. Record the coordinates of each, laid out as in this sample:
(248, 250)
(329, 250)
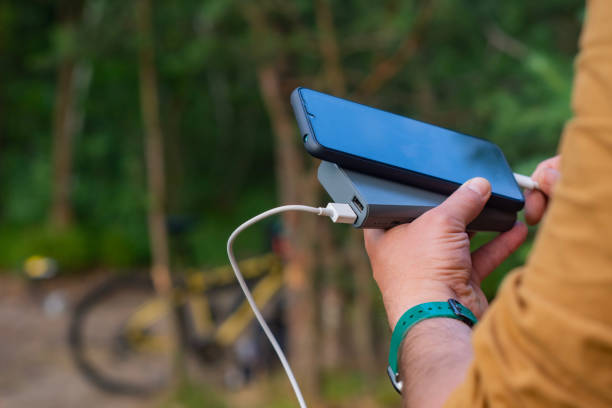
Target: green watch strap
(451, 309)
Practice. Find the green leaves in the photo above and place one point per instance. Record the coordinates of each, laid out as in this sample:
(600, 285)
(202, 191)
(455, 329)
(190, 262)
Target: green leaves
(219, 146)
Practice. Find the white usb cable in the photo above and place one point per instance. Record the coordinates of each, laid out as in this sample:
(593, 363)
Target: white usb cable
(339, 213)
(526, 182)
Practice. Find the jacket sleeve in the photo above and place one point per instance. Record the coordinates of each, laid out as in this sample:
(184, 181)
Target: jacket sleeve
(547, 338)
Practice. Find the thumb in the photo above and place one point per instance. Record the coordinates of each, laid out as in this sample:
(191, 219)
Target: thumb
(465, 203)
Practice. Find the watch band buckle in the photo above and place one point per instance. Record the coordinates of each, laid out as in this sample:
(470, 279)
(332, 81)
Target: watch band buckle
(395, 381)
(457, 309)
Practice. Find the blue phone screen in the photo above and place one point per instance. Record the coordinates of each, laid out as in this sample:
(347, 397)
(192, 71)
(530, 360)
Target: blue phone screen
(405, 143)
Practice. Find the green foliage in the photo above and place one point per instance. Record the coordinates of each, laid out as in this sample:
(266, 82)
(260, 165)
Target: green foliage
(498, 70)
(339, 386)
(189, 395)
(118, 247)
(70, 248)
(74, 249)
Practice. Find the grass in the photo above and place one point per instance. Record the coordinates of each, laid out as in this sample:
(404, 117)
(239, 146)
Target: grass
(339, 389)
(192, 395)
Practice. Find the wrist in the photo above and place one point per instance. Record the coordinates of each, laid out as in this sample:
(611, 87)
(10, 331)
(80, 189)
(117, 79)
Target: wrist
(450, 309)
(441, 348)
(397, 303)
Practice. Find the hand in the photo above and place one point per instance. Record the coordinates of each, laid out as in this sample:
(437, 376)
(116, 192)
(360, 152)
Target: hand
(546, 174)
(429, 259)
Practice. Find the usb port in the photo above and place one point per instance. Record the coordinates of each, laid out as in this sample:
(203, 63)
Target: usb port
(357, 203)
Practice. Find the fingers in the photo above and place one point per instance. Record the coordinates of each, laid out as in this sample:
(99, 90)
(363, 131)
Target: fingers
(552, 163)
(489, 256)
(465, 203)
(535, 205)
(547, 174)
(547, 179)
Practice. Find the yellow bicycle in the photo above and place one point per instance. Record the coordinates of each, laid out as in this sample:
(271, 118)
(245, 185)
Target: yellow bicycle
(121, 334)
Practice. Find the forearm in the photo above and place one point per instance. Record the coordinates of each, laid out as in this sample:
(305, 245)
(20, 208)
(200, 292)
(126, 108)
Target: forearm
(434, 359)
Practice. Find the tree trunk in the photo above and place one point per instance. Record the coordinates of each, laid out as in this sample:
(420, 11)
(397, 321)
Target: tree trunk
(64, 119)
(295, 186)
(328, 45)
(158, 235)
(332, 302)
(154, 156)
(73, 80)
(63, 135)
(362, 319)
(331, 299)
(300, 313)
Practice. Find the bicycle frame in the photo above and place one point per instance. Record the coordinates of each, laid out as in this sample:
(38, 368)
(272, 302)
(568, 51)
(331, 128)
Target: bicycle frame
(266, 269)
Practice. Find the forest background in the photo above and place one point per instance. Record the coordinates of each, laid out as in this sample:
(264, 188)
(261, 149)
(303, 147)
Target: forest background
(142, 133)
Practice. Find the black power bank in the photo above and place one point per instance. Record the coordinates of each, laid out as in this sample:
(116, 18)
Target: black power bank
(383, 204)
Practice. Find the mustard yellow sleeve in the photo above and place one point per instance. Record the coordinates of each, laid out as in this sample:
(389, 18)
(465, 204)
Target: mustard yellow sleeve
(547, 339)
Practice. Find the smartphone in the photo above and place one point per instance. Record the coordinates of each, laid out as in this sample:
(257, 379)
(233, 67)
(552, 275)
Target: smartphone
(394, 147)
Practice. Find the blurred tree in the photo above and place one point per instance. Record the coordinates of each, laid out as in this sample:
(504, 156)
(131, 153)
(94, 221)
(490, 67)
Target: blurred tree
(332, 304)
(294, 187)
(158, 234)
(67, 115)
(156, 177)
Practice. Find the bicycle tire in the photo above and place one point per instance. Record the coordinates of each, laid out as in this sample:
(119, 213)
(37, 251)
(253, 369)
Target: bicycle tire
(97, 297)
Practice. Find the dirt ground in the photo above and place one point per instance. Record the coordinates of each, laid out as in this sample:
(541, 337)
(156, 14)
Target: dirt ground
(35, 367)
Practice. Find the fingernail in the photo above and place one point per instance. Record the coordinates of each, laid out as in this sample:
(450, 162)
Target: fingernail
(479, 185)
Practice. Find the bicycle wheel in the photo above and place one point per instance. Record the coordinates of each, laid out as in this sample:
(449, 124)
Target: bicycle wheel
(121, 337)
